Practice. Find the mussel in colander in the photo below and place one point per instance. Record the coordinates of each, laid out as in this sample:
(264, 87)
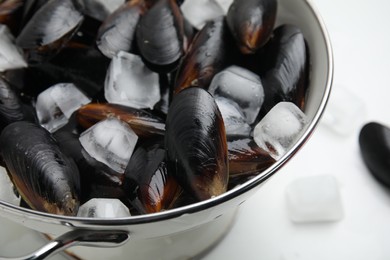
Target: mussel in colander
(160, 34)
(44, 176)
(149, 185)
(286, 70)
(117, 33)
(143, 123)
(196, 146)
(251, 22)
(49, 29)
(211, 51)
(374, 142)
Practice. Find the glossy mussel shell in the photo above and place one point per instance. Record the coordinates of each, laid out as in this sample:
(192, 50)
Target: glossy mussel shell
(143, 123)
(49, 29)
(150, 186)
(286, 67)
(47, 179)
(210, 52)
(11, 12)
(196, 146)
(160, 35)
(251, 23)
(374, 141)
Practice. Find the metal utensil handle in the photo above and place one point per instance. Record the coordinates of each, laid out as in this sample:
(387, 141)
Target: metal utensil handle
(94, 238)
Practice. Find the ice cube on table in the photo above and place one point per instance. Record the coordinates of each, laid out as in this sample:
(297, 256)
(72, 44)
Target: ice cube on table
(111, 142)
(280, 128)
(7, 192)
(103, 208)
(233, 118)
(56, 104)
(341, 117)
(11, 56)
(243, 87)
(224, 4)
(199, 12)
(314, 199)
(129, 82)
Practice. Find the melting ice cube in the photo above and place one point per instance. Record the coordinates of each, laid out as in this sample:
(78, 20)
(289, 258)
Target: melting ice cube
(224, 4)
(233, 117)
(7, 192)
(243, 87)
(111, 142)
(280, 128)
(11, 56)
(198, 12)
(129, 82)
(314, 199)
(56, 104)
(103, 208)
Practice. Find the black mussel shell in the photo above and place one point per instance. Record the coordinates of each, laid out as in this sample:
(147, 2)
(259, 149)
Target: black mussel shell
(118, 30)
(143, 123)
(210, 52)
(374, 141)
(246, 158)
(196, 146)
(50, 28)
(151, 187)
(160, 34)
(11, 12)
(44, 176)
(286, 68)
(251, 22)
(11, 107)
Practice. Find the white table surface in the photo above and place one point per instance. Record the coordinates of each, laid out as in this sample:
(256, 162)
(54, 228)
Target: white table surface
(360, 35)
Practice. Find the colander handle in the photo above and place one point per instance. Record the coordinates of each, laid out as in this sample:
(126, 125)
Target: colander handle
(83, 237)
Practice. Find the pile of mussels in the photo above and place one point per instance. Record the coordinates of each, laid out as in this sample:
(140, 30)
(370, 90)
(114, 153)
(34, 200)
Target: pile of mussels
(183, 154)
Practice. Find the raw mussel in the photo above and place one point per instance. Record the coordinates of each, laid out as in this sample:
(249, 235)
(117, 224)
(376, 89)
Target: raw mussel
(251, 23)
(11, 12)
(211, 51)
(143, 123)
(160, 35)
(149, 185)
(196, 146)
(285, 68)
(374, 141)
(118, 30)
(44, 176)
(50, 29)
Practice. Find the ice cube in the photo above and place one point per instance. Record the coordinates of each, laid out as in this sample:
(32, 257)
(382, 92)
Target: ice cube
(314, 199)
(341, 118)
(7, 192)
(11, 56)
(129, 82)
(103, 208)
(56, 104)
(224, 4)
(198, 12)
(233, 117)
(280, 128)
(243, 87)
(111, 142)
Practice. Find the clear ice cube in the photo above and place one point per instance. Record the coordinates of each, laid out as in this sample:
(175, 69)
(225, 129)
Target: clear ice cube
(103, 208)
(280, 128)
(7, 192)
(243, 87)
(111, 142)
(224, 4)
(129, 82)
(11, 56)
(314, 199)
(56, 104)
(233, 117)
(341, 118)
(199, 12)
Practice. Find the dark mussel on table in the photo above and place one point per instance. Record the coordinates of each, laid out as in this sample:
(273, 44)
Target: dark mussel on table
(185, 148)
